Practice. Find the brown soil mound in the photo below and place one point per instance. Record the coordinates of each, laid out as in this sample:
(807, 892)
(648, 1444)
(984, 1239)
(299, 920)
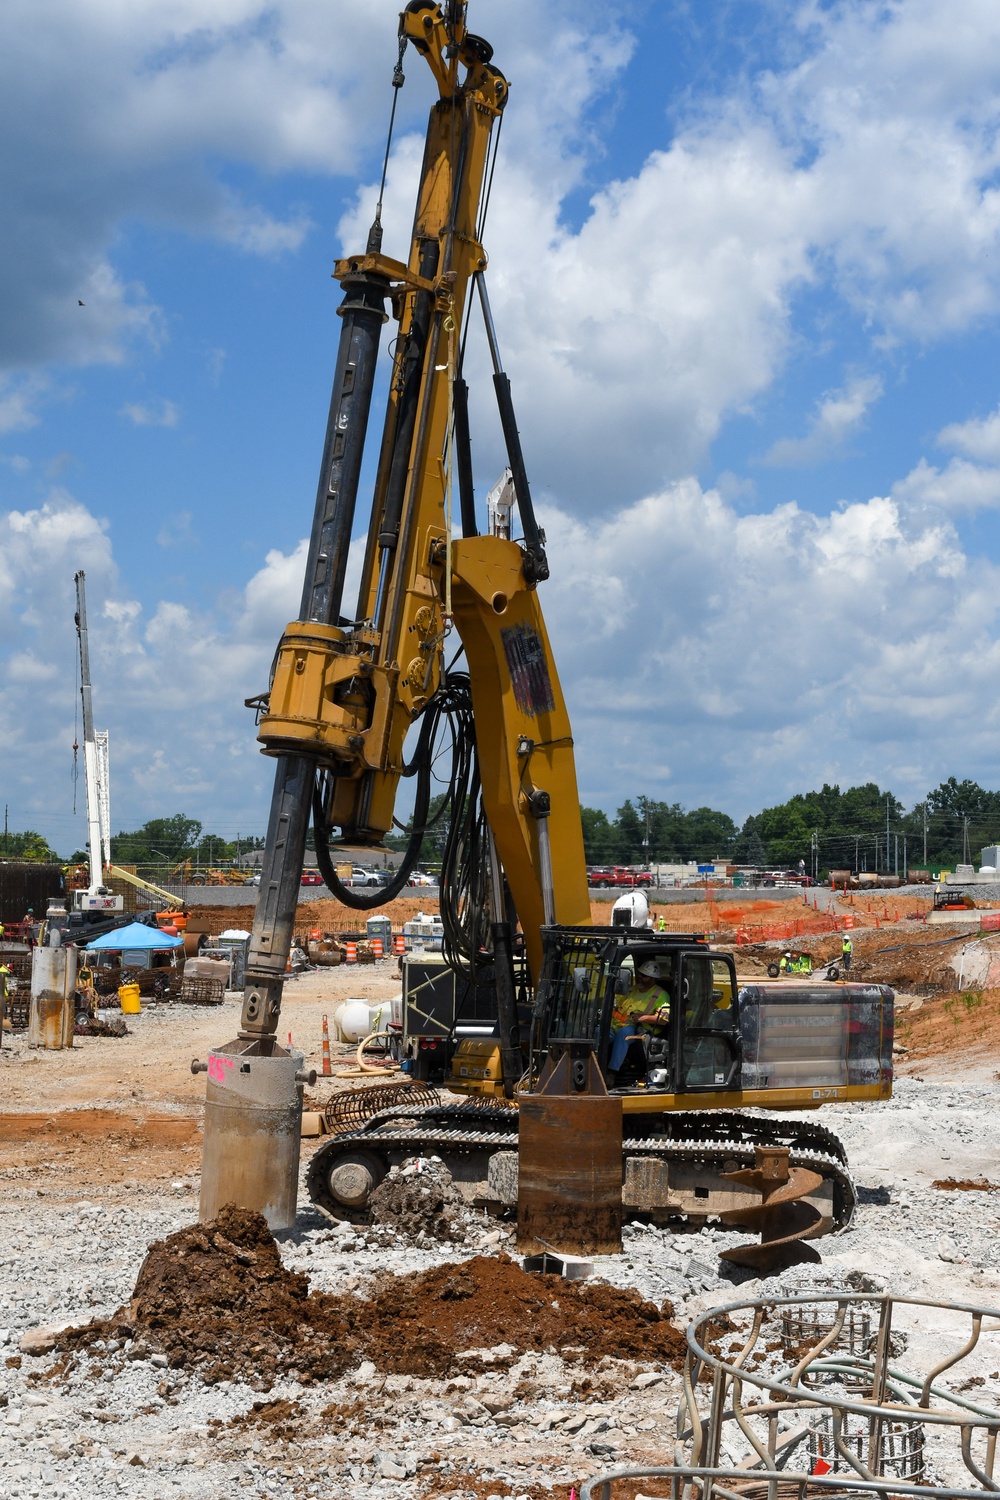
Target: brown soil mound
(217, 1297)
(485, 1302)
(965, 1185)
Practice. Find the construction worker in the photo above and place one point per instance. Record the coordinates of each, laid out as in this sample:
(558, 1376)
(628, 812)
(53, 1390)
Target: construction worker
(846, 952)
(661, 923)
(784, 964)
(4, 976)
(646, 1004)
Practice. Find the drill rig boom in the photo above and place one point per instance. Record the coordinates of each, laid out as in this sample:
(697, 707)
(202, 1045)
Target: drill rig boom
(346, 689)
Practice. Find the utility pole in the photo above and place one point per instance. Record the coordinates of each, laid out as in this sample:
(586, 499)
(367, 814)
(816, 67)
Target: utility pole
(904, 859)
(5, 828)
(814, 846)
(857, 846)
(896, 837)
(886, 835)
(925, 833)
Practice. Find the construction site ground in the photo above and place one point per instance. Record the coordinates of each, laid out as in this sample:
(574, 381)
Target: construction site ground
(431, 1369)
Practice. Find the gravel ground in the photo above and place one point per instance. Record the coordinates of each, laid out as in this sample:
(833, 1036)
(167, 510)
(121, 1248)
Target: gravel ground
(114, 1426)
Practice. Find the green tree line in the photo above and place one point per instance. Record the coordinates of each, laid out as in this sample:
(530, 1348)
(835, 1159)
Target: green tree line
(827, 829)
(171, 841)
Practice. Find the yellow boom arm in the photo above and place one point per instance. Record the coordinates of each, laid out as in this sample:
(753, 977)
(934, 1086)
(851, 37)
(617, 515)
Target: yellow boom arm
(346, 690)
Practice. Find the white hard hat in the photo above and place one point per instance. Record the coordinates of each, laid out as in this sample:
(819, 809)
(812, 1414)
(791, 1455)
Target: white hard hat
(788, 953)
(649, 969)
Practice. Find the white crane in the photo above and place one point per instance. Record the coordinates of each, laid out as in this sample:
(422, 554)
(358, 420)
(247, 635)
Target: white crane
(96, 897)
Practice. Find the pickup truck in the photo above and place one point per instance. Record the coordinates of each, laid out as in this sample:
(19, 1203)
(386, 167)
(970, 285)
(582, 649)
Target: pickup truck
(603, 876)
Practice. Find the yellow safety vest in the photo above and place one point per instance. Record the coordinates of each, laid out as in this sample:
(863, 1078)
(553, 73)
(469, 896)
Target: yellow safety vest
(639, 1003)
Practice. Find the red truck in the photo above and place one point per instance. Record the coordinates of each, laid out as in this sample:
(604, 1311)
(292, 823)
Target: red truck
(602, 876)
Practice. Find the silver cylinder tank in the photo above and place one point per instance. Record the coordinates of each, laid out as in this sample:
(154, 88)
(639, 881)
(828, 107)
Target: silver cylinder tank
(53, 1008)
(253, 1123)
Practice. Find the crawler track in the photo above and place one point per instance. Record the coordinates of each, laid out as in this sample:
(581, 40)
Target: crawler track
(716, 1142)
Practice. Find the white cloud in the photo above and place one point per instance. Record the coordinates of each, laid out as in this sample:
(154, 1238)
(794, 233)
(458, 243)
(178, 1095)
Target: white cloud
(162, 413)
(771, 651)
(708, 655)
(838, 415)
(169, 683)
(961, 485)
(127, 113)
(979, 437)
(865, 166)
(19, 399)
(865, 173)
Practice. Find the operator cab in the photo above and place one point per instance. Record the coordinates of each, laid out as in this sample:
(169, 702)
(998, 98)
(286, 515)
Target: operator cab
(597, 983)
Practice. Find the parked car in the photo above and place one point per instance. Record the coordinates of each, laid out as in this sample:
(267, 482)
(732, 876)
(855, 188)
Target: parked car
(418, 877)
(603, 876)
(311, 877)
(361, 876)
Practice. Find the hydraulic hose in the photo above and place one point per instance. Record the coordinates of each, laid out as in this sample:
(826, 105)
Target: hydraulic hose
(421, 765)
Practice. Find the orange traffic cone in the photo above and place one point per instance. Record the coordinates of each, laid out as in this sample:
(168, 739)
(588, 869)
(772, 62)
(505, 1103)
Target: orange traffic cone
(399, 943)
(377, 947)
(327, 1069)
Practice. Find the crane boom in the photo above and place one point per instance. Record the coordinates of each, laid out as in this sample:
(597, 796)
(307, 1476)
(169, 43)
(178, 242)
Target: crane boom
(97, 772)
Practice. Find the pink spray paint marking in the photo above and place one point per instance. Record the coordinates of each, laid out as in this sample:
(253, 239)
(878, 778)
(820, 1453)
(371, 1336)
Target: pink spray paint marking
(217, 1068)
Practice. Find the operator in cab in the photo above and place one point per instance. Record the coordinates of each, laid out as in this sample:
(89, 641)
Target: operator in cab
(646, 1007)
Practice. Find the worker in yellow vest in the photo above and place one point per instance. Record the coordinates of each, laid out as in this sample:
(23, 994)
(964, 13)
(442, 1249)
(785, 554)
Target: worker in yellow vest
(4, 973)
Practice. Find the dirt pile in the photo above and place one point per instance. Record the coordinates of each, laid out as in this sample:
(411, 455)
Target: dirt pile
(216, 1297)
(965, 1185)
(419, 1201)
(422, 1321)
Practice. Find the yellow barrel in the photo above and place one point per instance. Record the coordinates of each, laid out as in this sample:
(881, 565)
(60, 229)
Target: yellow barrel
(128, 994)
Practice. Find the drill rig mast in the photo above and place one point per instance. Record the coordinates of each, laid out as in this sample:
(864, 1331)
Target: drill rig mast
(347, 687)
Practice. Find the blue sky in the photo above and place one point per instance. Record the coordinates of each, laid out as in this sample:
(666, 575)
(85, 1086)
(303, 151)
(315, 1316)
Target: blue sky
(746, 274)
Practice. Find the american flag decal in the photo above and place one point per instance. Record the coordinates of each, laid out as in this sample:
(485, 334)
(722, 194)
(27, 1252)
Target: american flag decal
(529, 671)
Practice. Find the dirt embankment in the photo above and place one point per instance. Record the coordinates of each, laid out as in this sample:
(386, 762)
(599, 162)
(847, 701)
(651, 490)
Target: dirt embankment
(964, 1028)
(326, 914)
(913, 961)
(216, 1297)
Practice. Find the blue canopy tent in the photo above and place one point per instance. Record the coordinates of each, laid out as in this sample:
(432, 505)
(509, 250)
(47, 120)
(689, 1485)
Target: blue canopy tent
(136, 943)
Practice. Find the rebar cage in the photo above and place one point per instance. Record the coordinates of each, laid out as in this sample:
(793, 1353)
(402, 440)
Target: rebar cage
(802, 1396)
